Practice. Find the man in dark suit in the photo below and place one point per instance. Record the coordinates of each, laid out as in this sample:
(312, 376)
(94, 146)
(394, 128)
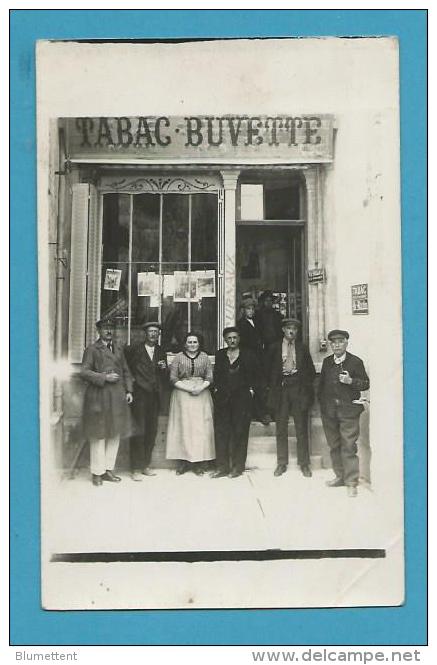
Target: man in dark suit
(291, 391)
(342, 379)
(250, 338)
(106, 415)
(268, 321)
(148, 364)
(236, 377)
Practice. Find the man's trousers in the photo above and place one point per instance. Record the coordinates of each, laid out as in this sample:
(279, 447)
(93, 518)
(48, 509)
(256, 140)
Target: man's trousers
(342, 435)
(231, 423)
(145, 410)
(290, 404)
(103, 453)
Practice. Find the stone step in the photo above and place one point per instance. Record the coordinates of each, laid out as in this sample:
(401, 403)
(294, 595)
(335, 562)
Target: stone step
(262, 443)
(258, 429)
(267, 444)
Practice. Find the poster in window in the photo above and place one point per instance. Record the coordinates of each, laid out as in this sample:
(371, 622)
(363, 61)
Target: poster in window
(168, 286)
(205, 280)
(185, 286)
(148, 284)
(112, 280)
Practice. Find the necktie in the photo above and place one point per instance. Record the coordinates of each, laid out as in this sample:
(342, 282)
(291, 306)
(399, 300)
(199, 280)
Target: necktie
(110, 347)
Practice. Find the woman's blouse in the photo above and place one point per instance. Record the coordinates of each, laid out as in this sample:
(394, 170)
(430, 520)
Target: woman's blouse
(185, 367)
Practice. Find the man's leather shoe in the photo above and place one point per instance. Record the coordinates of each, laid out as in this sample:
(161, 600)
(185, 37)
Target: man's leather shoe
(335, 482)
(148, 472)
(352, 491)
(137, 476)
(97, 480)
(306, 471)
(220, 474)
(280, 469)
(110, 477)
(235, 473)
(266, 420)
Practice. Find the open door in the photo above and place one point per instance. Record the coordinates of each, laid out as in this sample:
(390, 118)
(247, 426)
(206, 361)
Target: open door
(270, 257)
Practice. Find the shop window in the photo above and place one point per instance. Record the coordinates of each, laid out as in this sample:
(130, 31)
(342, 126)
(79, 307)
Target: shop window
(159, 262)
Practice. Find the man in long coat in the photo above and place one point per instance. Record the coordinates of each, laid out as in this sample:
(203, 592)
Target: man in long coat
(106, 415)
(250, 338)
(342, 379)
(148, 364)
(292, 376)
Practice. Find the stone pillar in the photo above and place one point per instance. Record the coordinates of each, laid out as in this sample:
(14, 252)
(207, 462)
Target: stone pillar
(316, 292)
(230, 179)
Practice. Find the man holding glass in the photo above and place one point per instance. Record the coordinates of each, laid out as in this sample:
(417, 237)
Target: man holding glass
(342, 379)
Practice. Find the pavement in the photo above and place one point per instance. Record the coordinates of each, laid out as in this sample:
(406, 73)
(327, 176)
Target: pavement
(256, 511)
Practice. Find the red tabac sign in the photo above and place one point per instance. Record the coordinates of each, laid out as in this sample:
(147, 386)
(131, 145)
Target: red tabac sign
(279, 138)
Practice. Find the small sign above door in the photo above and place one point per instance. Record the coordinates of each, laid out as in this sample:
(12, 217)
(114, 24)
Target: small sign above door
(316, 275)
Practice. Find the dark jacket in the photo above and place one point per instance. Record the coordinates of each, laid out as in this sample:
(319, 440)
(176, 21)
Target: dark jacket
(305, 376)
(269, 323)
(250, 375)
(146, 373)
(332, 393)
(105, 410)
(250, 336)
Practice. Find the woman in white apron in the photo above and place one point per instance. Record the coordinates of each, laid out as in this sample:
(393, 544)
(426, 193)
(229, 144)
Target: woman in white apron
(190, 433)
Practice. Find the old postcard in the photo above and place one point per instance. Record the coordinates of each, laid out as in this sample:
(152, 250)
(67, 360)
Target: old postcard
(220, 324)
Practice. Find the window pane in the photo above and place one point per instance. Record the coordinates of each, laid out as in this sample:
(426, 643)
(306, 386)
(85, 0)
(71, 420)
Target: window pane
(204, 321)
(203, 228)
(115, 237)
(175, 227)
(114, 297)
(252, 202)
(114, 279)
(281, 200)
(174, 315)
(145, 229)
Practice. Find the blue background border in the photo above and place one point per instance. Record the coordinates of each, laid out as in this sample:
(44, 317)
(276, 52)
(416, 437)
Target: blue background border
(31, 625)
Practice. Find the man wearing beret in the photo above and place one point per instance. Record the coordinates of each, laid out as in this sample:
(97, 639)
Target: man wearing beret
(148, 364)
(342, 379)
(106, 415)
(291, 391)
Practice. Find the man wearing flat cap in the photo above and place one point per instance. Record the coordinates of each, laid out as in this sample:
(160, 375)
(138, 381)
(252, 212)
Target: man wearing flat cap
(342, 379)
(106, 415)
(236, 378)
(148, 364)
(292, 375)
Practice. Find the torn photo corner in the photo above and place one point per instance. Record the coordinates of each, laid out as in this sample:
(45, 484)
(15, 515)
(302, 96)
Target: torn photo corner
(243, 184)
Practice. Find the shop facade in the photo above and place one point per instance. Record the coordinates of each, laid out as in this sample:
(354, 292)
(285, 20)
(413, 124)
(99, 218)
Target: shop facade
(177, 219)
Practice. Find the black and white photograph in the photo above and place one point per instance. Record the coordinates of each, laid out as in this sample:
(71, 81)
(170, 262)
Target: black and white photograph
(112, 280)
(148, 284)
(235, 440)
(205, 284)
(185, 286)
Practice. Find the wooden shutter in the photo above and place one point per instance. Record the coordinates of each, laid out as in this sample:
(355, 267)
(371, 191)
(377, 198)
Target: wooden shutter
(78, 271)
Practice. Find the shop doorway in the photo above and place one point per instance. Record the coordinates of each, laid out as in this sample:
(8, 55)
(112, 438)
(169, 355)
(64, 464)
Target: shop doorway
(271, 257)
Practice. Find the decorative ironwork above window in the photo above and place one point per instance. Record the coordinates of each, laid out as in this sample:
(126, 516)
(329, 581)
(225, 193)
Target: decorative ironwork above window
(185, 184)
